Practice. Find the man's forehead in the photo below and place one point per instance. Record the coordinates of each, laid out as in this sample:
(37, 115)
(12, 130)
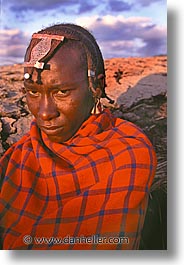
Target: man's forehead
(57, 84)
(60, 73)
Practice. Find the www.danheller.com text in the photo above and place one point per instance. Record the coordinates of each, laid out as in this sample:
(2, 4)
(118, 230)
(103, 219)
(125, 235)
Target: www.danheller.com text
(27, 239)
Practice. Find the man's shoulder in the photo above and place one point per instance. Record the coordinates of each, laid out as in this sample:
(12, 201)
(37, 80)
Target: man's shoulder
(133, 138)
(128, 129)
(13, 156)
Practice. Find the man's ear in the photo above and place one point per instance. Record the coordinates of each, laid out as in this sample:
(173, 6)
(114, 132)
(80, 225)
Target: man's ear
(100, 85)
(98, 92)
(101, 81)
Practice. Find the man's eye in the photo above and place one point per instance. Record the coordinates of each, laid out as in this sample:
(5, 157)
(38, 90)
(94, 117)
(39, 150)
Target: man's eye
(62, 92)
(33, 93)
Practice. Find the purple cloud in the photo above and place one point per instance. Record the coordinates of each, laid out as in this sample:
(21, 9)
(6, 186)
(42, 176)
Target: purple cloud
(117, 36)
(43, 5)
(148, 2)
(86, 7)
(124, 37)
(119, 6)
(13, 45)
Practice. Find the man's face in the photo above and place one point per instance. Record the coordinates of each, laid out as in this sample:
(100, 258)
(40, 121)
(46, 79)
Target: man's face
(63, 101)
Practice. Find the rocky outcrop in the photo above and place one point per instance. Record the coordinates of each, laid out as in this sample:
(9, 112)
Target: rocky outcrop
(14, 114)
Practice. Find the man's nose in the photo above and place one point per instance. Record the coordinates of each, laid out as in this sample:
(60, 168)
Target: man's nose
(47, 109)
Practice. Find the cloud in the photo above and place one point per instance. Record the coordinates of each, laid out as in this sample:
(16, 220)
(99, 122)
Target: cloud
(145, 3)
(123, 37)
(41, 5)
(13, 45)
(119, 6)
(80, 6)
(44, 5)
(117, 36)
(86, 7)
(155, 42)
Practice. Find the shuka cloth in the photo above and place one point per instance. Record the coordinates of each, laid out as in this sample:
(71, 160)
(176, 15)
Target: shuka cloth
(90, 192)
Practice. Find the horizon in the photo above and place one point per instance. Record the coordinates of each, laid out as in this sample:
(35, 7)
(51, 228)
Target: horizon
(114, 58)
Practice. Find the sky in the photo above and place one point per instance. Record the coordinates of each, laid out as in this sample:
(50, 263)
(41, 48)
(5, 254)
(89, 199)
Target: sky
(122, 28)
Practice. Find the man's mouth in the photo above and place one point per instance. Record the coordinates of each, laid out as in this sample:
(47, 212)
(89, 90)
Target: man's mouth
(51, 130)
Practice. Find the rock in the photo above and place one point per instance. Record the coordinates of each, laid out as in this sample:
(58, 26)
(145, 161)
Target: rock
(1, 126)
(1, 147)
(9, 108)
(8, 125)
(1, 150)
(130, 116)
(21, 126)
(3, 93)
(133, 71)
(147, 88)
(12, 139)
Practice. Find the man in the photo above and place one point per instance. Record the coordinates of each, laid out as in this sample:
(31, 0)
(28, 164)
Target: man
(80, 178)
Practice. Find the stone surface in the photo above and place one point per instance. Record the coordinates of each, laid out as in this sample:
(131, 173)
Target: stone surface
(7, 124)
(134, 71)
(21, 126)
(148, 87)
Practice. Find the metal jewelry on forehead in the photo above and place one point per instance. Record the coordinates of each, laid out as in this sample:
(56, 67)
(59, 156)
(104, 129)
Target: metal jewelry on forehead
(41, 49)
(26, 76)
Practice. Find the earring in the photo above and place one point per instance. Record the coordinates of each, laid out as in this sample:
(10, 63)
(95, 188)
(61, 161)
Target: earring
(98, 107)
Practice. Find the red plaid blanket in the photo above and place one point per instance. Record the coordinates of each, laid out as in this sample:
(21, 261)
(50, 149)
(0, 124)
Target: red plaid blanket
(88, 193)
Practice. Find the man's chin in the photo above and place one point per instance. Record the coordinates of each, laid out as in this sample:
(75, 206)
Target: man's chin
(58, 139)
(58, 135)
